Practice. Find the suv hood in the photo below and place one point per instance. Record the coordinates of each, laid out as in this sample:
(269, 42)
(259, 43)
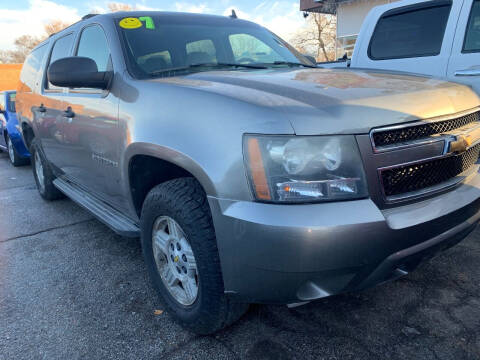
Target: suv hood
(326, 101)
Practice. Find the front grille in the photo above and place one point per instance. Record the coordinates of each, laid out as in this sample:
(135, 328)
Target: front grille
(418, 132)
(421, 175)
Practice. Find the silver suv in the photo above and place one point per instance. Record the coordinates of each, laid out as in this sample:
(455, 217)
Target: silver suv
(250, 175)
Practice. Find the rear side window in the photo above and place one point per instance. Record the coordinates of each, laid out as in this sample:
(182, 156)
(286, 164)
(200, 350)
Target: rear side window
(410, 32)
(201, 52)
(472, 37)
(93, 45)
(31, 67)
(2, 101)
(61, 49)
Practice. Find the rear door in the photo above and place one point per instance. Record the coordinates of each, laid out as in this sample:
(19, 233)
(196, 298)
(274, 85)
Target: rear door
(414, 37)
(464, 63)
(28, 100)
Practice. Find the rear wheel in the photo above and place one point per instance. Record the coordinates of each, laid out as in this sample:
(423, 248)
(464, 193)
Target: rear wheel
(15, 159)
(43, 174)
(180, 250)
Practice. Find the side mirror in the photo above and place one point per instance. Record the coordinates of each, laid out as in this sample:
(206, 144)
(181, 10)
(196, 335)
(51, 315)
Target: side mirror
(78, 72)
(311, 59)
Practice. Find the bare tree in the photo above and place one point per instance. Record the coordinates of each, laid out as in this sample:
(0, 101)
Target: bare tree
(55, 26)
(6, 56)
(318, 37)
(25, 43)
(118, 6)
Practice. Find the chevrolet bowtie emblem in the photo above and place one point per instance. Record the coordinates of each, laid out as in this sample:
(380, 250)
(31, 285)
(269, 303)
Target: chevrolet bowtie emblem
(464, 141)
(460, 145)
(176, 258)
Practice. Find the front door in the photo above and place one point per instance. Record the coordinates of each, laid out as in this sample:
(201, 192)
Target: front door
(91, 131)
(49, 109)
(464, 66)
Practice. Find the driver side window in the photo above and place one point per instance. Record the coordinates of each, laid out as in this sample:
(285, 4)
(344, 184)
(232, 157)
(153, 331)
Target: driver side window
(247, 48)
(61, 49)
(93, 45)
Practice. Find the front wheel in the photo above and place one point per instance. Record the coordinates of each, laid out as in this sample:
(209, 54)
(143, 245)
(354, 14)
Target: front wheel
(180, 250)
(15, 159)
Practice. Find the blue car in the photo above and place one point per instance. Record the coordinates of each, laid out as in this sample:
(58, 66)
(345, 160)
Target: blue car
(10, 138)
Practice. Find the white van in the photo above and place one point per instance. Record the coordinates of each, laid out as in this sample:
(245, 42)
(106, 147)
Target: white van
(440, 38)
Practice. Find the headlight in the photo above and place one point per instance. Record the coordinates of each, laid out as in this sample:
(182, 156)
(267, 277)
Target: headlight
(304, 168)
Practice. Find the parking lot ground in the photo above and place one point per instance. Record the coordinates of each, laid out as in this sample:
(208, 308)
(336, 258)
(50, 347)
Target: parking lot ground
(72, 289)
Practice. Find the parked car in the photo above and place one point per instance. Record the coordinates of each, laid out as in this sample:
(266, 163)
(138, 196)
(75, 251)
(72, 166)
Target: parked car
(10, 137)
(248, 181)
(435, 38)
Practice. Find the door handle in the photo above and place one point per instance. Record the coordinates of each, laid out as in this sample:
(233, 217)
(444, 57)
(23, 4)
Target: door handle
(42, 108)
(472, 72)
(69, 113)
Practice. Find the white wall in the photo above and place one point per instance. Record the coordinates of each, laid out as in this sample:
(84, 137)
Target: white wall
(350, 16)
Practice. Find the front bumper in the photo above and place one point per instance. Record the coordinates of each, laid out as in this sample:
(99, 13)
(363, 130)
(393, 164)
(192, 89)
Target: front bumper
(294, 253)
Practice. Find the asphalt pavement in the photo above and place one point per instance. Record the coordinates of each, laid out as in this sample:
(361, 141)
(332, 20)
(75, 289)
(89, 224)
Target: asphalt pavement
(70, 288)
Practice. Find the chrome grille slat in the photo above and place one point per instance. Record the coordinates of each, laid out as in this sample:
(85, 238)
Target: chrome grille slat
(404, 134)
(420, 175)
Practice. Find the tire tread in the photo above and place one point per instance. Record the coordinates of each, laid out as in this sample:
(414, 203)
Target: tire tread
(190, 204)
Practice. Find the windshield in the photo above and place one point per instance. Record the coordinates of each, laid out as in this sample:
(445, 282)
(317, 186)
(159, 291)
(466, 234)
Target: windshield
(163, 45)
(11, 103)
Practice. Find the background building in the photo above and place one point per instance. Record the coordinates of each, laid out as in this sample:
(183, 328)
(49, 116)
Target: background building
(9, 76)
(350, 16)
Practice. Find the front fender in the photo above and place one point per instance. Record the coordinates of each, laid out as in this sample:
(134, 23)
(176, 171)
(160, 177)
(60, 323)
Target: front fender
(16, 137)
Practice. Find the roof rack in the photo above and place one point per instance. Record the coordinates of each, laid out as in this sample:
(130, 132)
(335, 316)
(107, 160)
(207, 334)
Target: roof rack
(88, 16)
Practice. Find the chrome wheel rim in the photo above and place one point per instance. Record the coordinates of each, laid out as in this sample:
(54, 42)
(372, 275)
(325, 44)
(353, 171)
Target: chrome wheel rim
(175, 261)
(39, 170)
(11, 151)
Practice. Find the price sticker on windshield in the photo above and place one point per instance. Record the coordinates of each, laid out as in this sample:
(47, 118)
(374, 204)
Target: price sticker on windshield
(135, 23)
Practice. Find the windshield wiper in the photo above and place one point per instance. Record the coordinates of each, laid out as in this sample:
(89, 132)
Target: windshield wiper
(207, 65)
(248, 66)
(290, 63)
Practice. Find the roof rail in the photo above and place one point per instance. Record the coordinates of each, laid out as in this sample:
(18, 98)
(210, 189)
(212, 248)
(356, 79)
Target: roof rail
(88, 16)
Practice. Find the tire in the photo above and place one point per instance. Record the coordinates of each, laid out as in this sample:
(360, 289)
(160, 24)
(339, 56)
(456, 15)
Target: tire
(15, 159)
(43, 174)
(184, 201)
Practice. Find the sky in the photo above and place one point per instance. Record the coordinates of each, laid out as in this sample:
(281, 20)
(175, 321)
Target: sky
(20, 17)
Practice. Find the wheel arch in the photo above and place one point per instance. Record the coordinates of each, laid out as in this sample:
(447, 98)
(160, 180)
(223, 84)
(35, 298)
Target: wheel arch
(147, 165)
(28, 134)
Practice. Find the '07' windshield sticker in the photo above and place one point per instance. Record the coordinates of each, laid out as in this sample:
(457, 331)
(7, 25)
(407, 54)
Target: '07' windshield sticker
(135, 23)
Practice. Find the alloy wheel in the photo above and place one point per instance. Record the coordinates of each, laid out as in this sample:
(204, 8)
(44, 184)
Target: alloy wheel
(39, 171)
(175, 260)
(11, 150)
